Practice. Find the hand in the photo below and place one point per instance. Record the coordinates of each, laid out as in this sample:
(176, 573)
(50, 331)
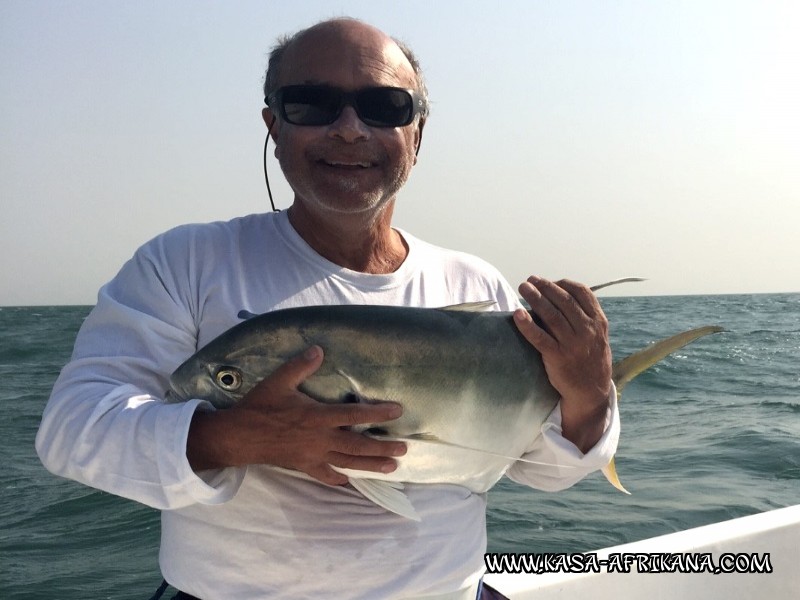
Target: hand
(572, 337)
(277, 424)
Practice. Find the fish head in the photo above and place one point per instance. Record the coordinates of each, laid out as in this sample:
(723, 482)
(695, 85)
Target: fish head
(228, 367)
(223, 377)
(222, 385)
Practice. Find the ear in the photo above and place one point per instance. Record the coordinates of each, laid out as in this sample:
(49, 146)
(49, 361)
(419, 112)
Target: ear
(272, 123)
(418, 138)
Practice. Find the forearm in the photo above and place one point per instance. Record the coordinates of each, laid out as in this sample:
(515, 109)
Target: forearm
(105, 425)
(207, 445)
(563, 463)
(125, 443)
(583, 423)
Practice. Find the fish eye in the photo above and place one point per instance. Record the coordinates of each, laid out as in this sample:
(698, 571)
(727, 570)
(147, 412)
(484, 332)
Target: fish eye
(229, 379)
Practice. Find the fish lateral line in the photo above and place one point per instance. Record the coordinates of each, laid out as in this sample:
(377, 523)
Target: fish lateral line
(432, 439)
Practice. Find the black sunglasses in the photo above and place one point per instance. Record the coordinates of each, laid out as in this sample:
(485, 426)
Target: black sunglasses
(314, 105)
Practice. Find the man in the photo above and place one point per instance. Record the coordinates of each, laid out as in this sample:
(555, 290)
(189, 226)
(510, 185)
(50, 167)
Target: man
(234, 526)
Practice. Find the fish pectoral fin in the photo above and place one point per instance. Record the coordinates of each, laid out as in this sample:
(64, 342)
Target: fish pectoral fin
(470, 306)
(386, 494)
(425, 437)
(610, 471)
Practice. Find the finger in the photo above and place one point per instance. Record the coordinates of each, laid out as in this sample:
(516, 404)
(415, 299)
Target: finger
(358, 444)
(583, 296)
(537, 292)
(326, 474)
(562, 300)
(346, 415)
(531, 331)
(296, 370)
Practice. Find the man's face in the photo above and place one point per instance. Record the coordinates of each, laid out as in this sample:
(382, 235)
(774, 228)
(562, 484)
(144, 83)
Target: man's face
(347, 166)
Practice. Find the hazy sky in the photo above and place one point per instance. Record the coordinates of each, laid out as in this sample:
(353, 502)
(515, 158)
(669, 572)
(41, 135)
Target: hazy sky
(589, 140)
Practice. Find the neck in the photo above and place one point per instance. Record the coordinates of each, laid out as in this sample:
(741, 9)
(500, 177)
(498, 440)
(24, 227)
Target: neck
(364, 243)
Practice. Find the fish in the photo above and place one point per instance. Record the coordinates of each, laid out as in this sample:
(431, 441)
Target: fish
(474, 391)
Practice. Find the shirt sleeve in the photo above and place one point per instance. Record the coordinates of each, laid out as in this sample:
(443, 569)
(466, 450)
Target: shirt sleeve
(106, 424)
(556, 463)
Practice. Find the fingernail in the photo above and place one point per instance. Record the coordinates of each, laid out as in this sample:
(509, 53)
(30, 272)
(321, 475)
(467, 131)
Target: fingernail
(399, 450)
(395, 410)
(388, 467)
(312, 353)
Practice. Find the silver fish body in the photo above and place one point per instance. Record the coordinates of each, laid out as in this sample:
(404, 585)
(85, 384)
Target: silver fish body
(473, 390)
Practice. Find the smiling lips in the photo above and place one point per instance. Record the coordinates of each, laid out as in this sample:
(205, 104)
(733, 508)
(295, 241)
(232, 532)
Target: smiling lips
(349, 164)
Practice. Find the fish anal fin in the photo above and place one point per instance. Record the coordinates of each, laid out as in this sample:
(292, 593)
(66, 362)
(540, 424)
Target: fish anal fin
(386, 494)
(610, 471)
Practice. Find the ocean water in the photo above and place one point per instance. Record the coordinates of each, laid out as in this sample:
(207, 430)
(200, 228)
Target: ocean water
(709, 434)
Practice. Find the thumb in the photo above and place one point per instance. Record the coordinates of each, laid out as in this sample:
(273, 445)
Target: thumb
(298, 369)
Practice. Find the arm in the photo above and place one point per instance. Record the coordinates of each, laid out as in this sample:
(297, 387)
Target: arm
(572, 336)
(106, 426)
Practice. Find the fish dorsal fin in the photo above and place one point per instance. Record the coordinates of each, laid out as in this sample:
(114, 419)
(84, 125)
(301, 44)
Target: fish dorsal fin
(628, 368)
(386, 494)
(600, 286)
(482, 306)
(246, 314)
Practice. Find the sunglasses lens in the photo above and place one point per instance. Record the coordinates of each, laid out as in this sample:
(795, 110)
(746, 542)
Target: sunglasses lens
(385, 107)
(309, 105)
(321, 105)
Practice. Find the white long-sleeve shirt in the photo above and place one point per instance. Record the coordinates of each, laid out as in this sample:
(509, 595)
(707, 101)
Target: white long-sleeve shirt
(260, 532)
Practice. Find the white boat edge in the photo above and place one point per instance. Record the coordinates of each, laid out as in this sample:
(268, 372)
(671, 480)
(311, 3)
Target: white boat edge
(775, 533)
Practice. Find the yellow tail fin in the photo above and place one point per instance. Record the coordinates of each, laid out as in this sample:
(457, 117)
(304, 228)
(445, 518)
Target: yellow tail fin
(628, 368)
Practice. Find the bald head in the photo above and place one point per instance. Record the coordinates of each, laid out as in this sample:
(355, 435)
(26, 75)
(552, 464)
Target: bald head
(294, 58)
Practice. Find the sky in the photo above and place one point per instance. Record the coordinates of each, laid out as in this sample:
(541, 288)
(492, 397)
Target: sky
(578, 139)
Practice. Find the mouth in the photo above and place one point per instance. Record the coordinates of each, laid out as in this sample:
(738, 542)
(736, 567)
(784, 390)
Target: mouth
(350, 165)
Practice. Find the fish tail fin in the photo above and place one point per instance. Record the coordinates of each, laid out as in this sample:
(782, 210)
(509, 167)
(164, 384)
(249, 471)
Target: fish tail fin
(610, 471)
(626, 369)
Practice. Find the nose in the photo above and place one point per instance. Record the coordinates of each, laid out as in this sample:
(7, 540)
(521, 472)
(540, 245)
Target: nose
(348, 127)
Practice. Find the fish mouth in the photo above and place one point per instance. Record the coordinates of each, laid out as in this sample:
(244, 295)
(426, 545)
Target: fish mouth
(173, 397)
